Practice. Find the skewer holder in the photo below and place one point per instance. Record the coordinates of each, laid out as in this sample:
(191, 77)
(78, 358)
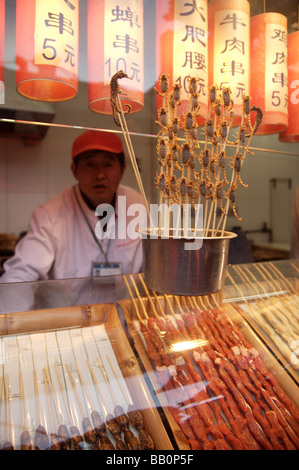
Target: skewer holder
(185, 266)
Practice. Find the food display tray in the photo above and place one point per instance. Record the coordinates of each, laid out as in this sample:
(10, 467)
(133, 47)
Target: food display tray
(60, 365)
(252, 349)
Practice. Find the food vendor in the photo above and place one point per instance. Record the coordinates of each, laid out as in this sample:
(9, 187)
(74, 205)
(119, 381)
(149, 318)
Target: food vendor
(65, 239)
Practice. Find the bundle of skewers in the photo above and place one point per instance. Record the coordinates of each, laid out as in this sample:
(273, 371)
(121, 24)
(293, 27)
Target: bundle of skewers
(270, 302)
(214, 382)
(194, 172)
(71, 410)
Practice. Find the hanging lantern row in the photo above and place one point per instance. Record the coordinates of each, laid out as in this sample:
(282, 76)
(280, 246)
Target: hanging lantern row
(229, 50)
(115, 42)
(181, 49)
(47, 43)
(47, 38)
(291, 134)
(269, 70)
(217, 42)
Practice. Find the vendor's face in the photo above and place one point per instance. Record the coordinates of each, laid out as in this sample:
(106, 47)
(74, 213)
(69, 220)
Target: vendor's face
(98, 174)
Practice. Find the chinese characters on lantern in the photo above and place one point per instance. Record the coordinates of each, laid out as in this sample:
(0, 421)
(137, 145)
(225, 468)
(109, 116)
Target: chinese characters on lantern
(276, 69)
(231, 52)
(56, 34)
(190, 46)
(123, 44)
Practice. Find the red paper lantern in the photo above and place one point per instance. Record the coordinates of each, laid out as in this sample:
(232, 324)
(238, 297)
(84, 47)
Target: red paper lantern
(229, 49)
(182, 49)
(115, 42)
(47, 49)
(291, 134)
(269, 70)
(2, 41)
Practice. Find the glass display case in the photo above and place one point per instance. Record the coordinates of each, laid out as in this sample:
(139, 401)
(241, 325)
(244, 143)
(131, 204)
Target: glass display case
(106, 363)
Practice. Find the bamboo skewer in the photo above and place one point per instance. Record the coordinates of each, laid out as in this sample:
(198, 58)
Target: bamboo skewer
(25, 435)
(112, 425)
(54, 440)
(77, 439)
(139, 297)
(120, 417)
(41, 439)
(132, 298)
(89, 434)
(135, 417)
(7, 445)
(99, 426)
(256, 316)
(126, 134)
(62, 434)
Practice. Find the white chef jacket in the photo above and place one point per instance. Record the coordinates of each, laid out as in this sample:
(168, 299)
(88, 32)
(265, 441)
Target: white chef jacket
(60, 245)
(295, 227)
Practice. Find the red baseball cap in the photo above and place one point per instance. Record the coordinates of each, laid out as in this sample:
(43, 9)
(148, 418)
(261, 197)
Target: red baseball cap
(97, 140)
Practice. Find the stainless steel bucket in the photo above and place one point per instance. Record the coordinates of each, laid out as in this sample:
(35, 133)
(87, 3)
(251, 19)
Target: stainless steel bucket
(185, 266)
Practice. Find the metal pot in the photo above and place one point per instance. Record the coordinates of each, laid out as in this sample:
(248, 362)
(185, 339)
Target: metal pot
(185, 266)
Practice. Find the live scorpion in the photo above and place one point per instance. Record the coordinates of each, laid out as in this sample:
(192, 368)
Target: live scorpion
(205, 160)
(212, 93)
(182, 187)
(175, 155)
(163, 119)
(192, 85)
(209, 128)
(221, 161)
(189, 120)
(218, 195)
(242, 136)
(192, 192)
(177, 93)
(232, 197)
(186, 153)
(217, 107)
(195, 102)
(162, 151)
(258, 117)
(237, 165)
(114, 92)
(164, 84)
(226, 93)
(162, 184)
(205, 189)
(212, 166)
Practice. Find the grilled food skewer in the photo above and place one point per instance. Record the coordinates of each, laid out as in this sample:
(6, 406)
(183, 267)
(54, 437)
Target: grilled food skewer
(89, 434)
(41, 439)
(122, 419)
(7, 445)
(111, 423)
(135, 417)
(25, 436)
(63, 434)
(77, 439)
(99, 426)
(54, 440)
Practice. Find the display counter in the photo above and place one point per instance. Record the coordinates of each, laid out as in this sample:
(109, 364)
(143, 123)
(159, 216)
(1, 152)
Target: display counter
(105, 363)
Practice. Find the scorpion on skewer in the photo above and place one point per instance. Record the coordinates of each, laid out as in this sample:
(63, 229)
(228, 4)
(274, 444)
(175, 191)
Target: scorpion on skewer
(164, 84)
(237, 165)
(231, 195)
(115, 91)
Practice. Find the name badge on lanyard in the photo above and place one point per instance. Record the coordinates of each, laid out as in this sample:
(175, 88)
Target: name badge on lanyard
(106, 269)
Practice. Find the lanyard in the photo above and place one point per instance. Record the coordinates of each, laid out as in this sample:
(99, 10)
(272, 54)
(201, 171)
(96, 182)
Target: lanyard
(91, 231)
